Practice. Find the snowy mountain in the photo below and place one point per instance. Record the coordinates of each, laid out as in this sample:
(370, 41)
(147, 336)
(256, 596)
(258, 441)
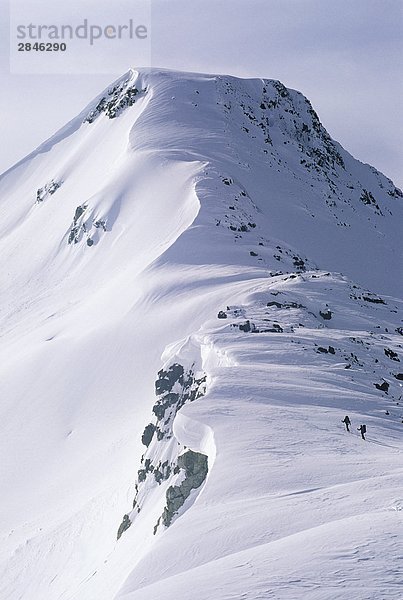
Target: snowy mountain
(197, 285)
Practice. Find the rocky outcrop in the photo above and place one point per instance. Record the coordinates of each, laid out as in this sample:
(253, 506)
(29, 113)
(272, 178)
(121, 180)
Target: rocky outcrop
(391, 354)
(195, 467)
(162, 461)
(383, 387)
(82, 226)
(174, 388)
(148, 434)
(47, 190)
(116, 101)
(368, 199)
(78, 226)
(328, 350)
(125, 524)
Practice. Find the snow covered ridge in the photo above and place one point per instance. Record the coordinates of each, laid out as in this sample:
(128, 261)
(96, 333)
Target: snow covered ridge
(197, 285)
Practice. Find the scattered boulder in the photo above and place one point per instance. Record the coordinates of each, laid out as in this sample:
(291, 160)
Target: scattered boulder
(391, 354)
(276, 304)
(299, 263)
(222, 315)
(328, 350)
(383, 387)
(326, 314)
(373, 299)
(246, 327)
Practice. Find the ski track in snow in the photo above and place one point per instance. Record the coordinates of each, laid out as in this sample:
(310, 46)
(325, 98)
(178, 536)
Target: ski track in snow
(211, 222)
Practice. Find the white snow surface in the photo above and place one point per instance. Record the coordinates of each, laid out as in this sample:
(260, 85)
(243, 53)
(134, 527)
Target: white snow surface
(208, 193)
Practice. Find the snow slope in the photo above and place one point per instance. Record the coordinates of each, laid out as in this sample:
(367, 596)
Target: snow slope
(197, 284)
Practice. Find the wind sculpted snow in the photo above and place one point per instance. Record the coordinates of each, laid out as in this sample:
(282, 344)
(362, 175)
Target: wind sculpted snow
(194, 254)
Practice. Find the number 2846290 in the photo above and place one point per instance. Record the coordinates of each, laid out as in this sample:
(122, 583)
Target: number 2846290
(42, 47)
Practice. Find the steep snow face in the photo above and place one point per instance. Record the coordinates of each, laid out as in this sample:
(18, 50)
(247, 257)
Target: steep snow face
(197, 285)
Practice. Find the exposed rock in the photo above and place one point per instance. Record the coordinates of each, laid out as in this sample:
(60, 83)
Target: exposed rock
(285, 305)
(391, 354)
(148, 434)
(116, 101)
(48, 189)
(326, 314)
(367, 198)
(161, 472)
(273, 303)
(170, 400)
(79, 211)
(189, 389)
(166, 379)
(77, 227)
(195, 466)
(383, 387)
(246, 327)
(373, 299)
(125, 524)
(299, 263)
(222, 315)
(141, 475)
(101, 224)
(328, 350)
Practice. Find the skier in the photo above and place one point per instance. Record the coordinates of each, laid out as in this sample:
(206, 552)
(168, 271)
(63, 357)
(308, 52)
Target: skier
(347, 422)
(363, 430)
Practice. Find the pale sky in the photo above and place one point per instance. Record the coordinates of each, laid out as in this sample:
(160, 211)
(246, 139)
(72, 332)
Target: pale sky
(344, 55)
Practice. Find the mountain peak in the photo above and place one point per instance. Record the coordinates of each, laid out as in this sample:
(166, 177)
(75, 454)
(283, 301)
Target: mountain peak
(198, 285)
